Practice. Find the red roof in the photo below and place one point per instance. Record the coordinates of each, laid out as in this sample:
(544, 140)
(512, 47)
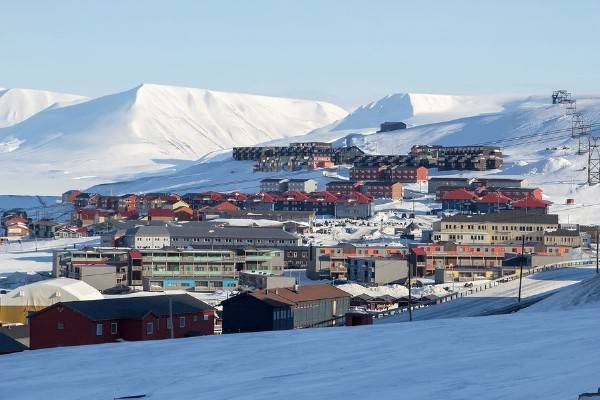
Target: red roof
(419, 251)
(236, 196)
(211, 196)
(264, 197)
(355, 197)
(459, 194)
(323, 197)
(225, 206)
(530, 202)
(494, 198)
(160, 212)
(135, 254)
(294, 196)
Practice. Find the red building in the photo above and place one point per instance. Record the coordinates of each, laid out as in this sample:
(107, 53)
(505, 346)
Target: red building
(383, 190)
(532, 205)
(405, 174)
(359, 173)
(78, 323)
(343, 187)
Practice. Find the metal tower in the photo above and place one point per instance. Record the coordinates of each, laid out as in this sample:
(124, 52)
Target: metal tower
(580, 130)
(594, 160)
(559, 96)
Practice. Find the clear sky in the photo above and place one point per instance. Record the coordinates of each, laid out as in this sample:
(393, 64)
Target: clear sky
(348, 52)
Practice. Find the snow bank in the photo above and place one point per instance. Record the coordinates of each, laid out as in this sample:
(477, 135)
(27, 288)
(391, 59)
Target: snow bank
(554, 357)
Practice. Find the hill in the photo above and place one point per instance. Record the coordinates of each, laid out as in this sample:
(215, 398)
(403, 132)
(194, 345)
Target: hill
(145, 129)
(550, 355)
(17, 105)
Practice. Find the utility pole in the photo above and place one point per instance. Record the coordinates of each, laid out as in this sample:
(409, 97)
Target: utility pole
(171, 316)
(597, 249)
(522, 261)
(410, 317)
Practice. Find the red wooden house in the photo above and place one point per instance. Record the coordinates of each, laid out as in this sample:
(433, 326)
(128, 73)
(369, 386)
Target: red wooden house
(77, 323)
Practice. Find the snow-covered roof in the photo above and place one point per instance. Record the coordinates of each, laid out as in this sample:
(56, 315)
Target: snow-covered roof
(49, 292)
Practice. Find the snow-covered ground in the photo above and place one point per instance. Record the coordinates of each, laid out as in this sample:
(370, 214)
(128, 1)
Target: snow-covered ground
(545, 355)
(499, 297)
(33, 256)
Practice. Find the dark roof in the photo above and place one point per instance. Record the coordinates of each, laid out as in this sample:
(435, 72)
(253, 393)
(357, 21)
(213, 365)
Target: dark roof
(300, 180)
(562, 232)
(134, 307)
(10, 345)
(290, 297)
(363, 296)
(449, 178)
(273, 180)
(509, 216)
(210, 230)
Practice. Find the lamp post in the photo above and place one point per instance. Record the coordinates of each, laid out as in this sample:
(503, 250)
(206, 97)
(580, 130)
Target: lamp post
(522, 261)
(597, 249)
(171, 328)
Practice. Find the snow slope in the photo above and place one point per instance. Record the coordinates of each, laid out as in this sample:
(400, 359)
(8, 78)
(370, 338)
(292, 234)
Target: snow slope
(419, 109)
(551, 356)
(144, 129)
(584, 294)
(17, 105)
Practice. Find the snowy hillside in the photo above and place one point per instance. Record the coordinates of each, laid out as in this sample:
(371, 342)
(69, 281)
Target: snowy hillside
(144, 129)
(17, 105)
(419, 109)
(551, 356)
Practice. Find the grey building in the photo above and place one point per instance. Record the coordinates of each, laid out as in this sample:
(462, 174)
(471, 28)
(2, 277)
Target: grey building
(273, 185)
(501, 182)
(354, 210)
(264, 280)
(378, 271)
(206, 234)
(101, 276)
(285, 308)
(302, 185)
(438, 181)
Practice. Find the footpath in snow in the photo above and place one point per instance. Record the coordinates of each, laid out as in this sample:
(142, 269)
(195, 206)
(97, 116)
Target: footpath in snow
(498, 297)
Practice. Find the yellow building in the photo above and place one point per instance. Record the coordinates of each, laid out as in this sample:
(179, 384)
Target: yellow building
(494, 228)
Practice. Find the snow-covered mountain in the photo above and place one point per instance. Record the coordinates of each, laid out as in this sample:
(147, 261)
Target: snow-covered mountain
(418, 109)
(17, 105)
(144, 129)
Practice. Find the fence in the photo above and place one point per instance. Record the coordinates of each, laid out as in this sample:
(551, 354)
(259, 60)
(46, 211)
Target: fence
(481, 288)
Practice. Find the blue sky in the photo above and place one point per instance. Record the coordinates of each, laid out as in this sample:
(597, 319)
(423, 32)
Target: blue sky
(348, 52)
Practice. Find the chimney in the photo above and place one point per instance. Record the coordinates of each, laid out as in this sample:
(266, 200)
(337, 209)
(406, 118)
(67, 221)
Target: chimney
(276, 291)
(296, 287)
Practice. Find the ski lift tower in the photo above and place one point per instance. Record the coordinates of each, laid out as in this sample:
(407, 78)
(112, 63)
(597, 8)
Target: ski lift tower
(560, 96)
(581, 130)
(594, 161)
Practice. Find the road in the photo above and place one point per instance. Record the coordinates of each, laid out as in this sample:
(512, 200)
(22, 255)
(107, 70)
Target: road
(499, 297)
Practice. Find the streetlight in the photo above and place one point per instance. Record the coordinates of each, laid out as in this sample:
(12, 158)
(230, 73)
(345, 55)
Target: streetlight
(522, 261)
(170, 314)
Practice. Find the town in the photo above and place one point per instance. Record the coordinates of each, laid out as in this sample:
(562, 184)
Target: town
(315, 200)
(288, 256)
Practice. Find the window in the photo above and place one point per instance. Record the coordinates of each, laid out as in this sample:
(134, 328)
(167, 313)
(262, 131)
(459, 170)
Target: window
(195, 318)
(98, 329)
(149, 328)
(60, 325)
(168, 323)
(206, 317)
(113, 328)
(182, 322)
